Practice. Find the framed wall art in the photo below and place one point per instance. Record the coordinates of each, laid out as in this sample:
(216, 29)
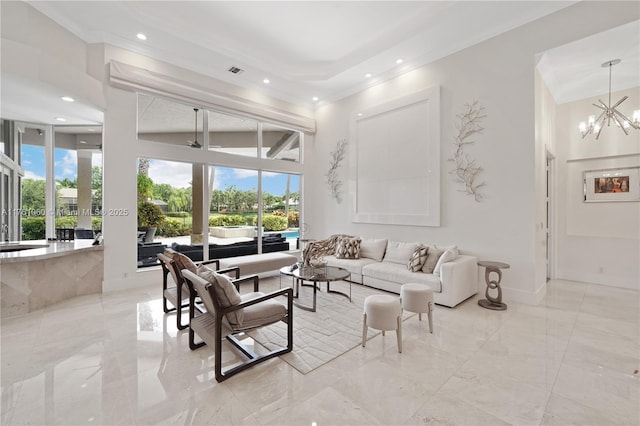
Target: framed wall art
(610, 185)
(394, 156)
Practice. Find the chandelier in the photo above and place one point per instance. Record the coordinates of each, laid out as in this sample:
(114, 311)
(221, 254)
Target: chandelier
(609, 113)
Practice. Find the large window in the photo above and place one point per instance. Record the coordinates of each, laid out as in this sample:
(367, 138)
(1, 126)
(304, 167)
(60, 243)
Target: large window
(165, 121)
(166, 215)
(33, 185)
(240, 150)
(280, 144)
(233, 135)
(77, 160)
(281, 206)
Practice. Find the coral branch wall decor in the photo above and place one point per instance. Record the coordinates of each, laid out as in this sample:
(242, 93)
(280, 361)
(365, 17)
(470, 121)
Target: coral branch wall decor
(468, 124)
(333, 180)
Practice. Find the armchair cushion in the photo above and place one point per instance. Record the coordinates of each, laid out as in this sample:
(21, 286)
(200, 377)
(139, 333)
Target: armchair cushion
(263, 313)
(226, 293)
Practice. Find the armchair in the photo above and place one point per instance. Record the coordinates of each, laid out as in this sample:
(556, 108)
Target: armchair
(228, 313)
(180, 295)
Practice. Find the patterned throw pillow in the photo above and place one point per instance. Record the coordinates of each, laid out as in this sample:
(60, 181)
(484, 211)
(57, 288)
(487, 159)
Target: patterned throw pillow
(348, 248)
(419, 256)
(432, 258)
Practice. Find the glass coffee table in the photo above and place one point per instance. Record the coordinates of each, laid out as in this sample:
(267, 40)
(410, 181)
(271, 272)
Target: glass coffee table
(326, 274)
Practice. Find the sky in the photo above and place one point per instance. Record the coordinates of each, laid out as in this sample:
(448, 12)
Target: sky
(173, 173)
(178, 175)
(65, 162)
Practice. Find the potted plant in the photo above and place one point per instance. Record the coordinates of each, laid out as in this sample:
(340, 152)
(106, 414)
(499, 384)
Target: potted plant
(150, 216)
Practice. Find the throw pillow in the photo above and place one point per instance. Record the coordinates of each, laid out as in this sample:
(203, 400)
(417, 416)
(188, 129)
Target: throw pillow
(453, 248)
(348, 248)
(447, 256)
(399, 252)
(433, 256)
(418, 258)
(373, 248)
(184, 262)
(225, 291)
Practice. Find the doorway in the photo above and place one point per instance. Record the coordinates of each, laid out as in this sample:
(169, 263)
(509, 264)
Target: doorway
(549, 216)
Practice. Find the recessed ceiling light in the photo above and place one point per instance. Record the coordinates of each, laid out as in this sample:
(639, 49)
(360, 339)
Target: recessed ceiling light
(399, 61)
(83, 141)
(315, 98)
(67, 98)
(91, 130)
(368, 75)
(359, 114)
(141, 36)
(61, 119)
(266, 81)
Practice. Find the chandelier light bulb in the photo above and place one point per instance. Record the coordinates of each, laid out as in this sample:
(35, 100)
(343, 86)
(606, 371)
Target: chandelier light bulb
(626, 124)
(583, 127)
(592, 120)
(636, 117)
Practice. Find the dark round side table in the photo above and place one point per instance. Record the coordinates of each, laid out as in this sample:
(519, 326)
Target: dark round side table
(491, 302)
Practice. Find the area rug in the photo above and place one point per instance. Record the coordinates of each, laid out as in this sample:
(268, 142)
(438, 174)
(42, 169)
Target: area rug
(319, 337)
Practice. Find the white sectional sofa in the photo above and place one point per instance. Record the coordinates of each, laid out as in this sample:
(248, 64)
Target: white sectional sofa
(384, 264)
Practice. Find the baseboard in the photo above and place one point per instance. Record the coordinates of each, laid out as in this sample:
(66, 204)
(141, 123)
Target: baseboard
(601, 279)
(521, 296)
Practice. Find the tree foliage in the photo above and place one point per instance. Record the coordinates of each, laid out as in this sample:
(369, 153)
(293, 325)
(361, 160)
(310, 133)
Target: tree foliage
(33, 194)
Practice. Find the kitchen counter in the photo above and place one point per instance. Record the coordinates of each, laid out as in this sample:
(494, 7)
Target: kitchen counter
(37, 274)
(22, 251)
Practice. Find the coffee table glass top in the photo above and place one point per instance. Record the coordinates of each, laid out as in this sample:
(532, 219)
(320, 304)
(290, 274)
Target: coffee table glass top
(324, 273)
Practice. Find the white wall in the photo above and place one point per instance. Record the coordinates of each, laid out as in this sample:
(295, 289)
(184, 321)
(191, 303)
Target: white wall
(500, 74)
(597, 242)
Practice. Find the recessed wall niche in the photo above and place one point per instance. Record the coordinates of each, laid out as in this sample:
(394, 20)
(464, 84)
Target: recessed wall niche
(394, 161)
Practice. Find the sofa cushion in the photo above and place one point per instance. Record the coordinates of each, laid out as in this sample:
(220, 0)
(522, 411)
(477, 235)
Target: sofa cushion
(399, 252)
(432, 258)
(348, 248)
(397, 273)
(417, 259)
(373, 248)
(447, 256)
(354, 266)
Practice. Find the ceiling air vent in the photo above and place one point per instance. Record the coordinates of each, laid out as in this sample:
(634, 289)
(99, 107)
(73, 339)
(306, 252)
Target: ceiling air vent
(236, 70)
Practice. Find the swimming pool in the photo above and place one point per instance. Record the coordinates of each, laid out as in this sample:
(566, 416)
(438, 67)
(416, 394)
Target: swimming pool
(289, 234)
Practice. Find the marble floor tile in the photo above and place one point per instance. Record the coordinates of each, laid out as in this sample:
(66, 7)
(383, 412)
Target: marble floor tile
(563, 411)
(328, 407)
(607, 391)
(447, 410)
(117, 359)
(505, 397)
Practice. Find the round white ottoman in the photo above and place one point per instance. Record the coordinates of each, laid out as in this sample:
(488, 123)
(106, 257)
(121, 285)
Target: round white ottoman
(418, 298)
(382, 312)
